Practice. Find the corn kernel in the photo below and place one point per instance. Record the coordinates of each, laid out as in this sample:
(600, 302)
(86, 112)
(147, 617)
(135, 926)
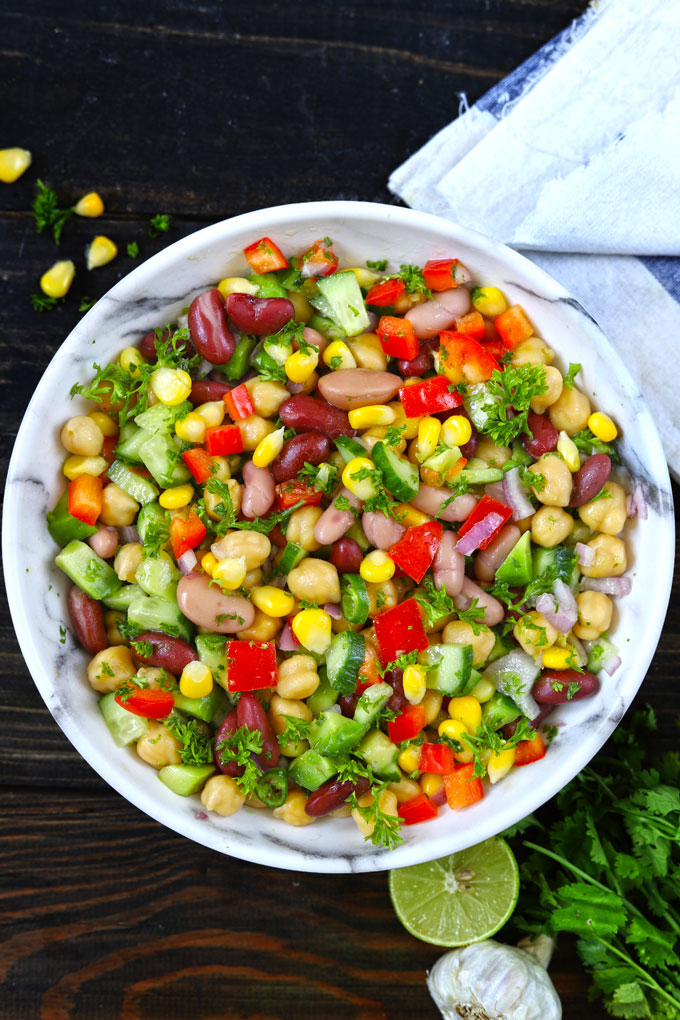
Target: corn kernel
(196, 680)
(409, 759)
(408, 426)
(105, 422)
(377, 567)
(432, 705)
(89, 205)
(431, 783)
(13, 163)
(236, 285)
(456, 431)
(178, 496)
(171, 385)
(500, 763)
(129, 359)
(483, 691)
(489, 301)
(300, 366)
(467, 710)
(372, 414)
(410, 516)
(58, 278)
(602, 427)
(452, 728)
(191, 429)
(100, 251)
(312, 628)
(558, 658)
(208, 563)
(362, 488)
(568, 451)
(338, 355)
(268, 448)
(230, 571)
(415, 684)
(212, 413)
(272, 601)
(429, 430)
(78, 464)
(365, 277)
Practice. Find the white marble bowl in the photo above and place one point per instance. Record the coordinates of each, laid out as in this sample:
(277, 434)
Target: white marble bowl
(154, 293)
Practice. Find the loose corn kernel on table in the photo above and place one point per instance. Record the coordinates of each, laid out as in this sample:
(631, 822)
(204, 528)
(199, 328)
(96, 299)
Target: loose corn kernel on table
(202, 115)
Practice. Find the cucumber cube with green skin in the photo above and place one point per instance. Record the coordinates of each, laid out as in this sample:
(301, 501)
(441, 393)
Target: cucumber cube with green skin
(562, 558)
(400, 476)
(498, 711)
(380, 754)
(152, 515)
(339, 298)
(63, 526)
(324, 697)
(125, 727)
(185, 779)
(130, 442)
(202, 708)
(124, 597)
(349, 448)
(480, 476)
(212, 650)
(449, 668)
(601, 650)
(292, 556)
(267, 285)
(311, 769)
(332, 733)
(161, 454)
(161, 417)
(89, 571)
(371, 703)
(158, 575)
(344, 659)
(152, 613)
(517, 567)
(139, 488)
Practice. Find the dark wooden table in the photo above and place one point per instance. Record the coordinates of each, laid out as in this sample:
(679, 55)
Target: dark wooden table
(202, 112)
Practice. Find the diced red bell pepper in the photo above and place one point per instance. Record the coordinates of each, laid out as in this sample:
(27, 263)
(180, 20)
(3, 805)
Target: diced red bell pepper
(440, 274)
(416, 549)
(385, 293)
(428, 397)
(290, 493)
(199, 462)
(472, 325)
(238, 403)
(150, 702)
(264, 256)
(251, 665)
(528, 751)
(223, 439)
(496, 348)
(498, 513)
(464, 360)
(408, 724)
(437, 758)
(399, 630)
(513, 326)
(418, 809)
(462, 787)
(320, 260)
(397, 337)
(186, 535)
(85, 498)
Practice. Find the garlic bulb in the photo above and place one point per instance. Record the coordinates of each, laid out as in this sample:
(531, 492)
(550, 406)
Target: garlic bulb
(490, 981)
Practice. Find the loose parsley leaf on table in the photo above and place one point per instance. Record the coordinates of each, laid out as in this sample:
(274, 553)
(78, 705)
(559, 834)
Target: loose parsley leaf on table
(47, 213)
(159, 224)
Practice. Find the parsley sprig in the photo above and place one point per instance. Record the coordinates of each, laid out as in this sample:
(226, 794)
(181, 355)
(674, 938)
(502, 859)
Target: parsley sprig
(511, 392)
(239, 747)
(46, 212)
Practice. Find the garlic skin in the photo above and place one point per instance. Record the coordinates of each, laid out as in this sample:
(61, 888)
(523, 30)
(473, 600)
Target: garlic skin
(490, 981)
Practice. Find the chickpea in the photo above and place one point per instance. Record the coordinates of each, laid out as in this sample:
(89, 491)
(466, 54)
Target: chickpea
(154, 675)
(118, 509)
(298, 677)
(388, 804)
(253, 429)
(303, 310)
(405, 789)
(550, 525)
(221, 469)
(534, 633)
(434, 630)
(301, 526)
(571, 412)
(309, 385)
(315, 580)
(253, 578)
(293, 811)
(159, 747)
(532, 351)
(554, 382)
(109, 668)
(267, 397)
(251, 544)
(128, 558)
(263, 628)
(83, 436)
(495, 456)
(213, 501)
(610, 557)
(460, 633)
(381, 595)
(594, 614)
(111, 621)
(373, 435)
(608, 513)
(368, 351)
(553, 488)
(432, 704)
(279, 708)
(222, 795)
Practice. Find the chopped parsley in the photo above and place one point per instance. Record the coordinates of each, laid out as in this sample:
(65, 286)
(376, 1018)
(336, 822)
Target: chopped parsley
(159, 224)
(385, 827)
(393, 435)
(43, 303)
(295, 731)
(570, 377)
(380, 265)
(132, 249)
(156, 536)
(323, 477)
(588, 443)
(86, 303)
(239, 747)
(47, 213)
(435, 603)
(404, 660)
(512, 391)
(196, 746)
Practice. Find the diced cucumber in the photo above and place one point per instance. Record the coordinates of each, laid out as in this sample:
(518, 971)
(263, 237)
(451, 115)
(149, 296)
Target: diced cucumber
(267, 285)
(517, 567)
(562, 558)
(357, 533)
(349, 448)
(311, 769)
(601, 649)
(63, 526)
(125, 727)
(476, 400)
(399, 475)
(380, 754)
(279, 350)
(152, 515)
(185, 779)
(323, 698)
(371, 703)
(498, 711)
(89, 571)
(160, 614)
(140, 489)
(343, 660)
(161, 417)
(481, 476)
(449, 668)
(502, 645)
(161, 455)
(130, 442)
(121, 599)
(202, 708)
(354, 600)
(339, 297)
(212, 650)
(332, 733)
(158, 575)
(324, 325)
(443, 462)
(292, 555)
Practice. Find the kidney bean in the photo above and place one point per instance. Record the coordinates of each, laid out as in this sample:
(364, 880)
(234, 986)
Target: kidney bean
(206, 606)
(545, 436)
(147, 345)
(538, 720)
(87, 617)
(419, 365)
(347, 704)
(398, 701)
(468, 449)
(258, 490)
(381, 531)
(356, 387)
(489, 560)
(259, 316)
(309, 414)
(448, 568)
(307, 448)
(333, 795)
(493, 609)
(430, 317)
(333, 523)
(205, 390)
(590, 478)
(552, 687)
(250, 713)
(105, 542)
(169, 653)
(209, 328)
(430, 499)
(227, 728)
(346, 555)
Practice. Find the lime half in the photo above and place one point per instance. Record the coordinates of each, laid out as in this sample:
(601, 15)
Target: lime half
(459, 899)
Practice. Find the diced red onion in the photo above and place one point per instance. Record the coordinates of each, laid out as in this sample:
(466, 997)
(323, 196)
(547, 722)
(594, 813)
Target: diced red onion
(287, 640)
(128, 533)
(611, 664)
(496, 491)
(295, 387)
(585, 554)
(187, 561)
(334, 610)
(201, 816)
(478, 533)
(619, 587)
(559, 608)
(372, 321)
(636, 504)
(515, 495)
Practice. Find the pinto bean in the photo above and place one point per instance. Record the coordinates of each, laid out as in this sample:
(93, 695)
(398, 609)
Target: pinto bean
(313, 337)
(105, 542)
(357, 387)
(169, 653)
(258, 490)
(553, 686)
(209, 328)
(227, 728)
(588, 481)
(205, 390)
(346, 555)
(429, 499)
(333, 795)
(489, 560)
(430, 317)
(87, 617)
(545, 436)
(333, 523)
(381, 531)
(493, 609)
(259, 316)
(147, 345)
(250, 713)
(307, 448)
(309, 414)
(206, 606)
(448, 567)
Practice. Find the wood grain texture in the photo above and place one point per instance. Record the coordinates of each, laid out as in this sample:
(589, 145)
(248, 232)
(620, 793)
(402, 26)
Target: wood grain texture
(205, 112)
